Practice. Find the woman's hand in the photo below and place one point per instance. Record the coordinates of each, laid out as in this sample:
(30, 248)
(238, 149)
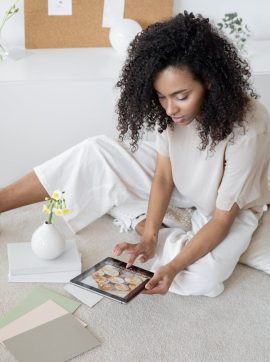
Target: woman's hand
(161, 281)
(145, 249)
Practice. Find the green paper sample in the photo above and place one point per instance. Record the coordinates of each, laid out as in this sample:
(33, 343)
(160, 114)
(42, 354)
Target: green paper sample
(37, 297)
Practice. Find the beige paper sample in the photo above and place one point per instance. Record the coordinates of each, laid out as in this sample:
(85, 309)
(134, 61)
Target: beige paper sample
(40, 315)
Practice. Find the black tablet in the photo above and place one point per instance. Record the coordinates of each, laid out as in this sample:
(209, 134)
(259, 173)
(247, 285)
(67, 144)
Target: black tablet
(112, 279)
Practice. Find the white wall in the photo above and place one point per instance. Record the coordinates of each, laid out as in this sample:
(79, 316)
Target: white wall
(254, 13)
(25, 128)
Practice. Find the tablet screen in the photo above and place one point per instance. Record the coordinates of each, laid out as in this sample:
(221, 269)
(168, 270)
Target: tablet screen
(111, 278)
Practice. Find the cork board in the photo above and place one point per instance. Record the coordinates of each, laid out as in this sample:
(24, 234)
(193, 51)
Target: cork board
(84, 27)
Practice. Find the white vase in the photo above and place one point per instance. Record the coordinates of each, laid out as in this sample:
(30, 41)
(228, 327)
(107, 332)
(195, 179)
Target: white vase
(47, 242)
(3, 48)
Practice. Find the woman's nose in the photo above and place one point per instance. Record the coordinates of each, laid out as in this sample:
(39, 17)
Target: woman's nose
(171, 108)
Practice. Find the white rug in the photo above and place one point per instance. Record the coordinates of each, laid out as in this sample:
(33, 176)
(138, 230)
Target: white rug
(232, 327)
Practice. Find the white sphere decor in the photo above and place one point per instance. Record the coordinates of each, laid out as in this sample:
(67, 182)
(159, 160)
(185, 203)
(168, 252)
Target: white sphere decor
(122, 33)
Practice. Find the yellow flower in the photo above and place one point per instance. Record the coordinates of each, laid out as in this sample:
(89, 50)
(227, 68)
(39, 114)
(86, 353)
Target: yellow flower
(58, 212)
(56, 204)
(57, 194)
(45, 209)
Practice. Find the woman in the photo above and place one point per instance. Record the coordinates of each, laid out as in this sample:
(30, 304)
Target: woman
(212, 153)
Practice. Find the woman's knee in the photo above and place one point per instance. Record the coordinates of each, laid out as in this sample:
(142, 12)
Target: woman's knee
(202, 279)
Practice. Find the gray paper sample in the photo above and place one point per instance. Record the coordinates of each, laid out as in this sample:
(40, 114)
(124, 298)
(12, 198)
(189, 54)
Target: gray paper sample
(56, 341)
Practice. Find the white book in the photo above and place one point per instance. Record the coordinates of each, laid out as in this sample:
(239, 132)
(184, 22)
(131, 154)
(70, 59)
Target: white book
(61, 277)
(23, 261)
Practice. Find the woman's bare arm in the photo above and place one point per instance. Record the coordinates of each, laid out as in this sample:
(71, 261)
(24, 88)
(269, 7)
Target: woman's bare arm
(160, 194)
(207, 238)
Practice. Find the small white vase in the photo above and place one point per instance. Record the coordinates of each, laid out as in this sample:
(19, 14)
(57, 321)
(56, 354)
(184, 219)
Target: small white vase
(47, 242)
(3, 48)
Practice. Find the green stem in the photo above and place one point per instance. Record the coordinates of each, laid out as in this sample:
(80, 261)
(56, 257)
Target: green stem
(3, 22)
(50, 218)
(51, 212)
(9, 13)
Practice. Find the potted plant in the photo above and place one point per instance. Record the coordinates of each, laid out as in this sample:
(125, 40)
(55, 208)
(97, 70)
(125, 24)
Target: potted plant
(47, 242)
(8, 14)
(236, 29)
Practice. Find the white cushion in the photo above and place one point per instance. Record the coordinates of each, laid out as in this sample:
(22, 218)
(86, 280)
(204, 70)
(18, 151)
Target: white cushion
(258, 253)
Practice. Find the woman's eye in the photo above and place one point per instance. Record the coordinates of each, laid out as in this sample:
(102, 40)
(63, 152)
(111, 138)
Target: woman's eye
(182, 99)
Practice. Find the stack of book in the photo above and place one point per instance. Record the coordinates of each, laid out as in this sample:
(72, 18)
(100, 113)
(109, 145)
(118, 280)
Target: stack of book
(25, 266)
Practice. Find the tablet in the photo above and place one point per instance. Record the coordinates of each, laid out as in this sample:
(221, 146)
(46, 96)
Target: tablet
(113, 280)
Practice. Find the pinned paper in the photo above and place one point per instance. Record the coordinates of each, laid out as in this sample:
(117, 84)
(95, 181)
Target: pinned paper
(59, 7)
(113, 11)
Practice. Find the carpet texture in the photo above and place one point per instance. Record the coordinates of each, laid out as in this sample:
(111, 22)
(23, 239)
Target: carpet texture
(232, 327)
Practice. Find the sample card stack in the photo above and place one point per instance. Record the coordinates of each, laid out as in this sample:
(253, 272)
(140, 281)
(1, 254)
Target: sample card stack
(42, 328)
(85, 296)
(25, 266)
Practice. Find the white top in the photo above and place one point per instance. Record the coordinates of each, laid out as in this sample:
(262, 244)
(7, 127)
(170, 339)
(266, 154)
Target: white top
(234, 173)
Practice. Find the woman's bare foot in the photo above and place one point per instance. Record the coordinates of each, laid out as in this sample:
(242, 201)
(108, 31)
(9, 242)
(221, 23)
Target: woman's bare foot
(140, 226)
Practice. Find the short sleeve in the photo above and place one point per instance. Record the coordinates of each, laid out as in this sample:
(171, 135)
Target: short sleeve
(162, 144)
(245, 175)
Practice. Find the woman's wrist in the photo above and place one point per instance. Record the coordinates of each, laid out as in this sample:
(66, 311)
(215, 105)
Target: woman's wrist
(150, 238)
(171, 272)
(175, 266)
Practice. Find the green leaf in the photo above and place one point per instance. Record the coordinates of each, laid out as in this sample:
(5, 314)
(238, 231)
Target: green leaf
(231, 16)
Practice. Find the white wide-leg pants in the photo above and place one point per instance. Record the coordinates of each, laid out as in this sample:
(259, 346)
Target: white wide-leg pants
(100, 173)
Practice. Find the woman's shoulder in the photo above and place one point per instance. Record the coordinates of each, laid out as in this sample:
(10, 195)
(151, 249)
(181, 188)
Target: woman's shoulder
(257, 119)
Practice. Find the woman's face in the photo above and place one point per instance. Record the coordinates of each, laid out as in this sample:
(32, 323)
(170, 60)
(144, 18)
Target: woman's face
(179, 94)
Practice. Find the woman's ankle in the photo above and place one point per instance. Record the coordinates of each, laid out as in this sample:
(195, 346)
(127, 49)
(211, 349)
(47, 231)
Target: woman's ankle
(140, 226)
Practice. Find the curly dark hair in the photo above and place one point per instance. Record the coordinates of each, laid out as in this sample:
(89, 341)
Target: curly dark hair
(189, 42)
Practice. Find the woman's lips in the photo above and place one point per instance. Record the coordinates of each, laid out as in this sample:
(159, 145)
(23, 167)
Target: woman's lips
(178, 119)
